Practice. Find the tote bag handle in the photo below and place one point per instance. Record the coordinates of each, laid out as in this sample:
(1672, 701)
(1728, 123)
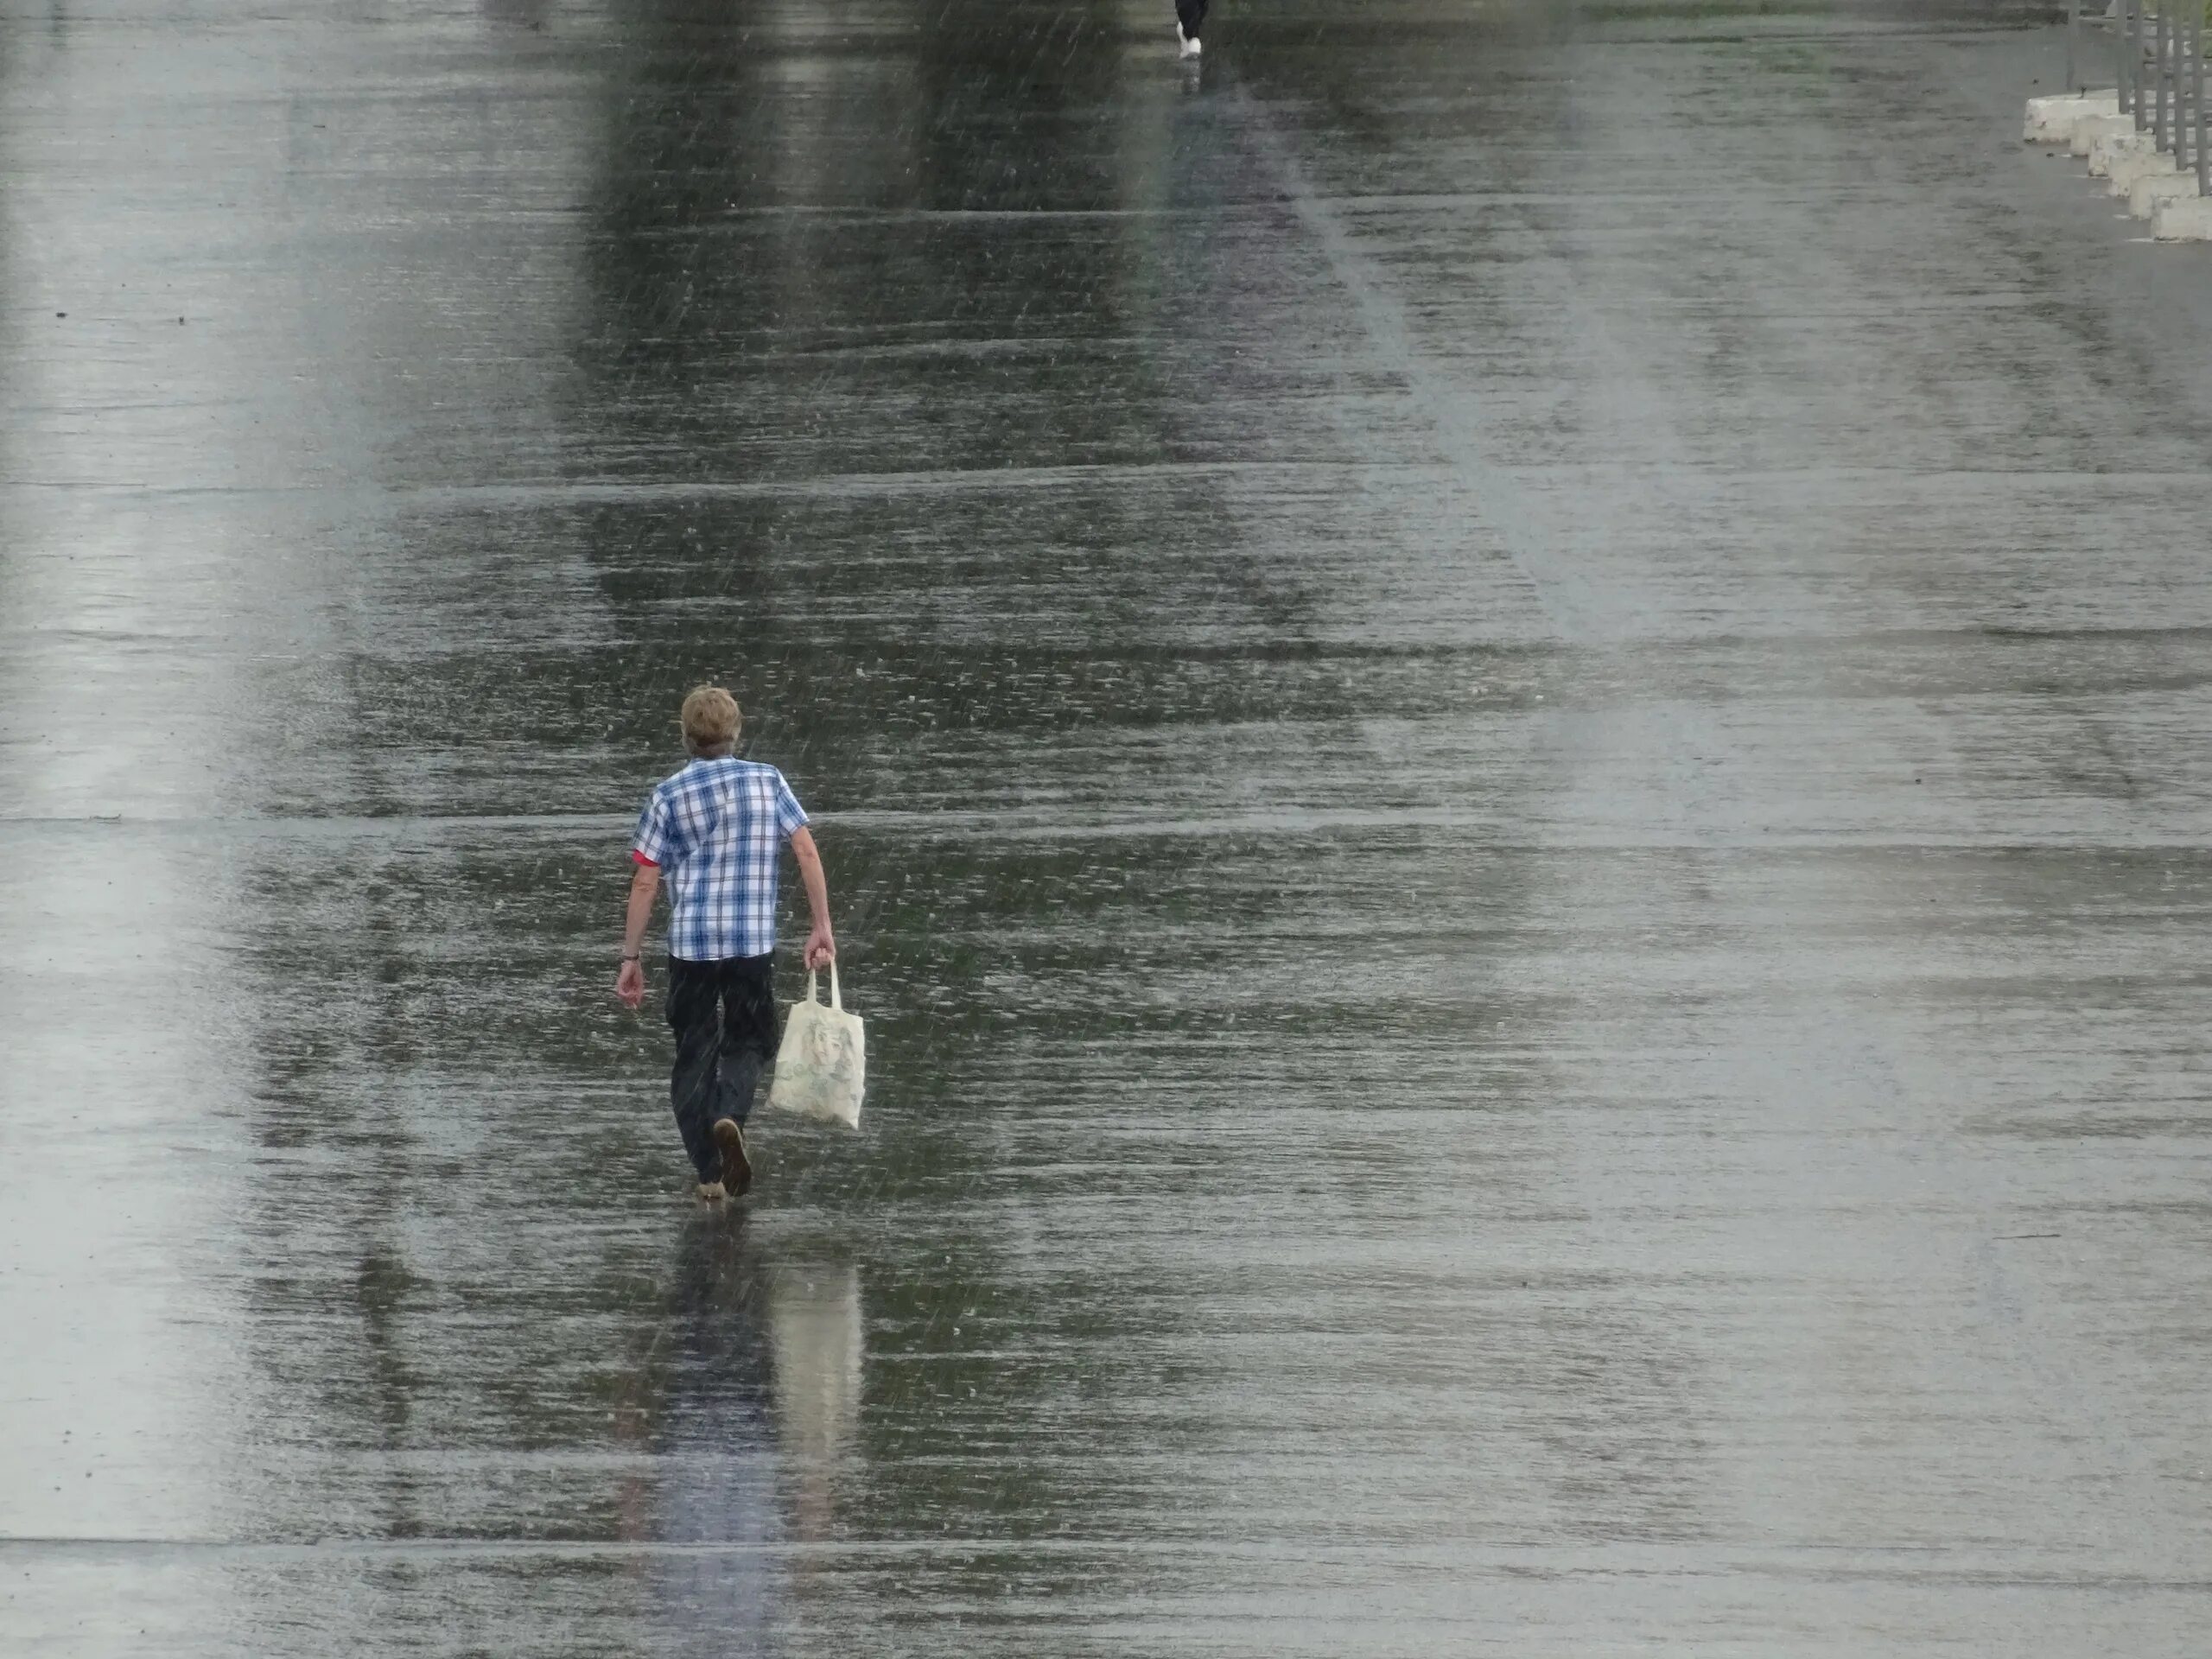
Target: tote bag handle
(835, 1001)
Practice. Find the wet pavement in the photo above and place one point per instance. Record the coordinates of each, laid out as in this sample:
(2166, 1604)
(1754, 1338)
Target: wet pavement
(1507, 710)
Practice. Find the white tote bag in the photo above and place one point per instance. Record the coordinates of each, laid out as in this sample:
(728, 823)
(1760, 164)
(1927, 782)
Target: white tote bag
(822, 1064)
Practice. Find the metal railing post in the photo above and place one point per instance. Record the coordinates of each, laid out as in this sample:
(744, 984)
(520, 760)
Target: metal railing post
(2181, 92)
(2073, 33)
(2159, 63)
(2196, 74)
(2135, 61)
(2122, 53)
(2185, 123)
(2135, 21)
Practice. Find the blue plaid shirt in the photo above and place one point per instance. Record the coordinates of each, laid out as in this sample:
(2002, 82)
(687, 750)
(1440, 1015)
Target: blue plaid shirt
(714, 829)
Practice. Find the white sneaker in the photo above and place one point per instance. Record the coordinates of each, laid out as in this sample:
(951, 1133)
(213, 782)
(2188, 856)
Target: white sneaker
(1191, 45)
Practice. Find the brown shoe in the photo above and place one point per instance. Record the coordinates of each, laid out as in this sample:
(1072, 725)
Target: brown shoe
(737, 1168)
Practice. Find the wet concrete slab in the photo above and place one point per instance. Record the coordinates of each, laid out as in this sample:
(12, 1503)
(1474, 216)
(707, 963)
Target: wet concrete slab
(1506, 706)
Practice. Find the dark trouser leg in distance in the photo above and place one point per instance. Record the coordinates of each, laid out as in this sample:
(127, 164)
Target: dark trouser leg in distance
(723, 1014)
(748, 1038)
(695, 1015)
(1192, 14)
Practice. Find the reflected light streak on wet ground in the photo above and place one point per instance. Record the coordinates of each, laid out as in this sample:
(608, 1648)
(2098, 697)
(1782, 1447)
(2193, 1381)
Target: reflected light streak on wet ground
(1506, 707)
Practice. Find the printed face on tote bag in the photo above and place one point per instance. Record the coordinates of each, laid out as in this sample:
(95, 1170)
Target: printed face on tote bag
(824, 1049)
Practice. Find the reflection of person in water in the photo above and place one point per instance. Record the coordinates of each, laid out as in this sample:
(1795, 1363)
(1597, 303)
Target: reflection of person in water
(749, 1402)
(716, 1452)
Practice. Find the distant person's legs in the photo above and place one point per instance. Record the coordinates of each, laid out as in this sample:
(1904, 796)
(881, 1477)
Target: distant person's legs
(695, 1015)
(748, 1042)
(1190, 19)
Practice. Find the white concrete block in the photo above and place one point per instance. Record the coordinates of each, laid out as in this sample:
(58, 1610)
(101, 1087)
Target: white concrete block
(2183, 221)
(2124, 170)
(2144, 199)
(2109, 149)
(2088, 129)
(2052, 105)
(2050, 120)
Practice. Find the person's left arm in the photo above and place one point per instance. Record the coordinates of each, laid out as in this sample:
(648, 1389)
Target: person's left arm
(821, 943)
(792, 824)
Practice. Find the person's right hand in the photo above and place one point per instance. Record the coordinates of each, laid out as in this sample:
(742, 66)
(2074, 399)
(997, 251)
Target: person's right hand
(821, 950)
(630, 983)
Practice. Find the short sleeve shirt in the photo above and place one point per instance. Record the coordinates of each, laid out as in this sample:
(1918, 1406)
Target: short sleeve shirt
(715, 830)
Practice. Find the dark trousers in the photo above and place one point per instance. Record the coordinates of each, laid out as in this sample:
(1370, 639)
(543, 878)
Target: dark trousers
(1192, 14)
(723, 1014)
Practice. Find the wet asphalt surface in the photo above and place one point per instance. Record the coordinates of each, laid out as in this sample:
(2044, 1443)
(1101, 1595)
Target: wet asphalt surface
(1507, 710)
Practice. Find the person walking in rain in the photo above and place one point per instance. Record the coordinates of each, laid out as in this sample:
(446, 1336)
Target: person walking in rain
(1190, 19)
(714, 829)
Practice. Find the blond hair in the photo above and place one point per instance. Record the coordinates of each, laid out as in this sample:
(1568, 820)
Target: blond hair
(710, 720)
